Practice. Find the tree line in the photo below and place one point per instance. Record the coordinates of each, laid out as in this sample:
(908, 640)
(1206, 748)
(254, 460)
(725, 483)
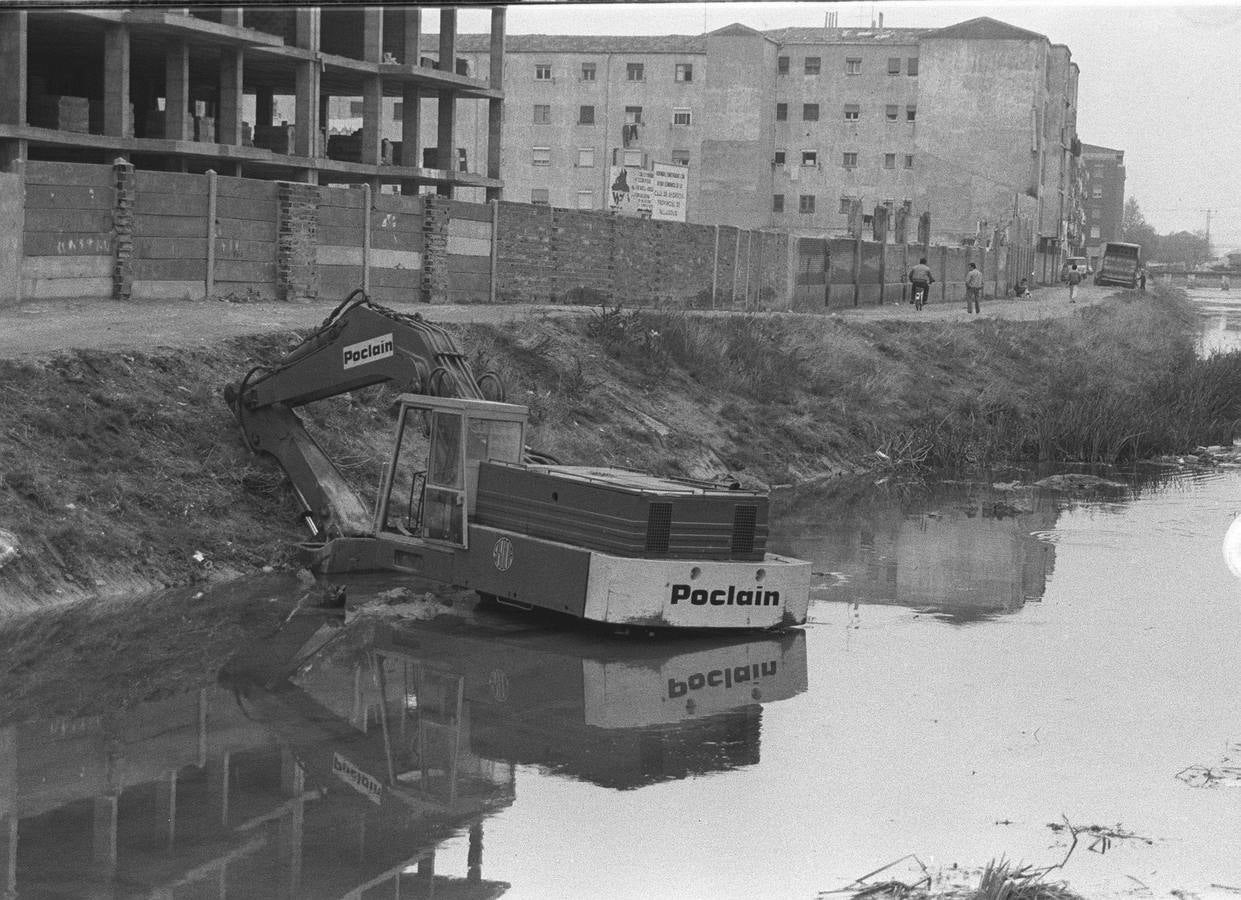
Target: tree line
(1187, 248)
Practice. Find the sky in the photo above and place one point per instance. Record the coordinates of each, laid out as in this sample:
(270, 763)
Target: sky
(1160, 81)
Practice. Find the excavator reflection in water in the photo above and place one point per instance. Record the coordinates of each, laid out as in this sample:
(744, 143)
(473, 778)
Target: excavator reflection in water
(464, 501)
(347, 761)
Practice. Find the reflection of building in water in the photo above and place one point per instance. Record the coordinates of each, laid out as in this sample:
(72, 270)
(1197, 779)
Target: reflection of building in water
(966, 550)
(344, 779)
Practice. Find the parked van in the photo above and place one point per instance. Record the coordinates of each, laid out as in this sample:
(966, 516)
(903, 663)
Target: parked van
(1119, 264)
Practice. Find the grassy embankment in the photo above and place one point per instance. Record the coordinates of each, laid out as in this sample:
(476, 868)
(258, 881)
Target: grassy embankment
(118, 468)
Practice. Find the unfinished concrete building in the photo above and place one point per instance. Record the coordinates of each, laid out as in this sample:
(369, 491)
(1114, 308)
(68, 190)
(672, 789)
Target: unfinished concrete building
(245, 92)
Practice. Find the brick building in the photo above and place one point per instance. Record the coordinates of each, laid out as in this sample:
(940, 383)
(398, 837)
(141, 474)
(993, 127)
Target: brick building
(806, 130)
(244, 91)
(1104, 200)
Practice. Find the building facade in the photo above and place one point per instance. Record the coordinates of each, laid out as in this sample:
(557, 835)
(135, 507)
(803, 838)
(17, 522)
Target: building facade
(1104, 200)
(808, 130)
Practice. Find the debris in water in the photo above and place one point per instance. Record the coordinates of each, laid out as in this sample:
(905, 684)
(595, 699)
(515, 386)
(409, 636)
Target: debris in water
(9, 547)
(1072, 481)
(1201, 776)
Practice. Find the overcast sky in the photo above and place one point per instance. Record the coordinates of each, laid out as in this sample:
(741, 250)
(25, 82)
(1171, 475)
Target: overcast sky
(1161, 82)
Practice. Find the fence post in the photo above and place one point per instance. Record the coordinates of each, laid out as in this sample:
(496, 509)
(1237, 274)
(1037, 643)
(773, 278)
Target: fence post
(732, 301)
(943, 271)
(495, 248)
(749, 263)
(366, 238)
(123, 226)
(213, 186)
(827, 273)
(857, 269)
(883, 270)
(715, 266)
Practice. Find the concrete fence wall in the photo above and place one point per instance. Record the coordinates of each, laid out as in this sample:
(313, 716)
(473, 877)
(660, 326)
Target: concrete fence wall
(98, 232)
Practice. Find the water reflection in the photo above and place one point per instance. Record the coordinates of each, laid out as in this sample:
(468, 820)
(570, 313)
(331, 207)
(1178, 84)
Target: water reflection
(337, 760)
(1220, 314)
(964, 551)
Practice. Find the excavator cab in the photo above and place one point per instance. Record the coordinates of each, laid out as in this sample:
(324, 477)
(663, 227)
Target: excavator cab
(430, 487)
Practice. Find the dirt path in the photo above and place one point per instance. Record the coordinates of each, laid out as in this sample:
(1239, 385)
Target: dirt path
(39, 328)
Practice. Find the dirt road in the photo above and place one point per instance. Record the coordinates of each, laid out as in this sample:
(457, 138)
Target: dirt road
(38, 328)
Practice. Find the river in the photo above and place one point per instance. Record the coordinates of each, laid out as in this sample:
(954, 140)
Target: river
(991, 669)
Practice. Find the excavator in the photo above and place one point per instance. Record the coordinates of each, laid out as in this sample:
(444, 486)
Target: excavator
(464, 501)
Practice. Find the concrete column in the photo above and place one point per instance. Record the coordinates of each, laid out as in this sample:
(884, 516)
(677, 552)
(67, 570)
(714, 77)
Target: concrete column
(117, 116)
(306, 110)
(177, 92)
(372, 34)
(372, 119)
(13, 67)
(8, 856)
(448, 100)
(412, 39)
(495, 106)
(166, 797)
(219, 773)
(232, 16)
(309, 32)
(103, 836)
(228, 121)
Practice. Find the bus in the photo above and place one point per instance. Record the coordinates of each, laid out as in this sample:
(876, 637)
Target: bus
(1119, 264)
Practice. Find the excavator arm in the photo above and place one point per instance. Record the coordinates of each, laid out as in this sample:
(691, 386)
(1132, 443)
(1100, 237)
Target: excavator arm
(358, 345)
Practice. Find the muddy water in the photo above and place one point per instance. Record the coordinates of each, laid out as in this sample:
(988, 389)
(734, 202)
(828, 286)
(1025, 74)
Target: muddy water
(1221, 315)
(984, 663)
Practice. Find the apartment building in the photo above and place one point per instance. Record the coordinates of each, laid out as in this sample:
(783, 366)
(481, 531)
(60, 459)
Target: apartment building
(1104, 200)
(801, 129)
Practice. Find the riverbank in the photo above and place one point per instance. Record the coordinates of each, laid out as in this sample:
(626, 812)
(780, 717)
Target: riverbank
(126, 472)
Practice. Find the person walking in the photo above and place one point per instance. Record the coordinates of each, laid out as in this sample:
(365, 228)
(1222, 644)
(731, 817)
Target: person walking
(1142, 278)
(973, 290)
(1074, 278)
(921, 278)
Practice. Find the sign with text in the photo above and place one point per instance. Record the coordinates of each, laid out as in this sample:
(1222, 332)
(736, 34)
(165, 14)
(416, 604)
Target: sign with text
(658, 193)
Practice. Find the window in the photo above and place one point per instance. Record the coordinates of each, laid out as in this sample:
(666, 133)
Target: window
(539, 196)
(634, 72)
(398, 111)
(910, 113)
(810, 112)
(782, 65)
(541, 156)
(680, 117)
(542, 114)
(777, 203)
(1097, 193)
(585, 157)
(891, 113)
(853, 66)
(911, 65)
(586, 115)
(849, 160)
(684, 72)
(846, 205)
(805, 203)
(631, 158)
(680, 157)
(782, 112)
(1094, 232)
(812, 65)
(853, 112)
(810, 157)
(585, 199)
(1096, 214)
(633, 115)
(463, 160)
(355, 108)
(894, 65)
(889, 160)
(909, 160)
(543, 72)
(779, 158)
(588, 71)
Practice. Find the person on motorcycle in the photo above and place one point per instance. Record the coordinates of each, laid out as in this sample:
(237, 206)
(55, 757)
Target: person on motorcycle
(921, 278)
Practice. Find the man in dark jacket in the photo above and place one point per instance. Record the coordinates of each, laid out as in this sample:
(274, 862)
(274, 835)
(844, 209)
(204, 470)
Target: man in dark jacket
(921, 278)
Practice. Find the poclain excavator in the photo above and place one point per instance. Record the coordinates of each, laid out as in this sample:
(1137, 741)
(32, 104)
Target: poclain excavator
(464, 501)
